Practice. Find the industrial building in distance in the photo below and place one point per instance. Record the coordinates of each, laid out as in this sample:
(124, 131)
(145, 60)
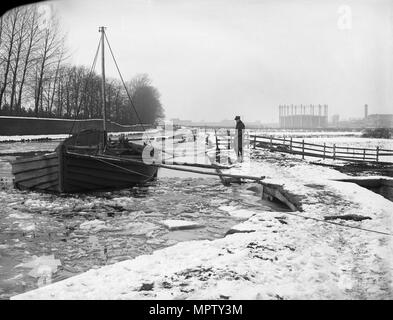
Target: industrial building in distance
(306, 117)
(316, 117)
(378, 120)
(303, 116)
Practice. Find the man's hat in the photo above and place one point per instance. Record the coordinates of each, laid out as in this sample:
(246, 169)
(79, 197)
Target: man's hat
(237, 118)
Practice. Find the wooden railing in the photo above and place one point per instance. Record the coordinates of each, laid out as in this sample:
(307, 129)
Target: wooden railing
(324, 151)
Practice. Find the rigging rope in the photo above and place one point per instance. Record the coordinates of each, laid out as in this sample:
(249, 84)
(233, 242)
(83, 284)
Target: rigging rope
(89, 78)
(125, 87)
(126, 169)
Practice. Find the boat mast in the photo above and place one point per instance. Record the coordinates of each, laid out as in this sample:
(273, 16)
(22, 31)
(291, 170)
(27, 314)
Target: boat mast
(102, 30)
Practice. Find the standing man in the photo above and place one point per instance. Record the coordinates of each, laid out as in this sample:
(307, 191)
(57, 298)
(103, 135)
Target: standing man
(239, 138)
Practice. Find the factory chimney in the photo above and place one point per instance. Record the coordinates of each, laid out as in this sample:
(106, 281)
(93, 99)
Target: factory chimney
(365, 111)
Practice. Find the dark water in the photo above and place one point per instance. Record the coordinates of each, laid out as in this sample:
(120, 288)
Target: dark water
(79, 232)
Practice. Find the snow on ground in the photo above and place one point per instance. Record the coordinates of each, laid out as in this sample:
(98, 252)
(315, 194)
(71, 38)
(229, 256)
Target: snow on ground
(271, 255)
(34, 137)
(307, 133)
(65, 135)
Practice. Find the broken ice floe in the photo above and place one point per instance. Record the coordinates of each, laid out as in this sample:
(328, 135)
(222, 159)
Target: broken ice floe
(41, 266)
(237, 213)
(93, 225)
(180, 224)
(20, 215)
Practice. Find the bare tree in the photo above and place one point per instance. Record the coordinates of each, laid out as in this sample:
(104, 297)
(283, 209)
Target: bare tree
(18, 52)
(52, 47)
(31, 47)
(9, 33)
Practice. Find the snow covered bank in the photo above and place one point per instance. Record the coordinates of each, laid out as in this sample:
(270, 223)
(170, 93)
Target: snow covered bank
(272, 255)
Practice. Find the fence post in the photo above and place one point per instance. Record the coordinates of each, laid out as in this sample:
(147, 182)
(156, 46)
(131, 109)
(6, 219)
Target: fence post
(364, 154)
(195, 149)
(303, 149)
(163, 150)
(334, 151)
(377, 153)
(173, 149)
(229, 139)
(290, 145)
(271, 142)
(324, 150)
(217, 148)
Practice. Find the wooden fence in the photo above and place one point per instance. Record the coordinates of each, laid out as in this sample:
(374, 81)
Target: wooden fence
(288, 145)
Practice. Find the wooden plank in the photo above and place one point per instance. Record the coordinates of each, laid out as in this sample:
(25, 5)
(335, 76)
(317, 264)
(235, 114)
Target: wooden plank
(35, 158)
(38, 181)
(49, 186)
(274, 192)
(102, 179)
(106, 168)
(19, 177)
(123, 166)
(75, 183)
(34, 165)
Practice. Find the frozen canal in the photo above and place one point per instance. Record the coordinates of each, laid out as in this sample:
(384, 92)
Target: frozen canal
(46, 238)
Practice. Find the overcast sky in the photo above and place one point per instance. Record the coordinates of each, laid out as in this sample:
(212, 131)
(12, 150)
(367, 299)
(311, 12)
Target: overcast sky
(214, 59)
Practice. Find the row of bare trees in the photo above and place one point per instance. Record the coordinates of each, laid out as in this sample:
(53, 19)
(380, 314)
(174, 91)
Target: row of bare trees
(36, 80)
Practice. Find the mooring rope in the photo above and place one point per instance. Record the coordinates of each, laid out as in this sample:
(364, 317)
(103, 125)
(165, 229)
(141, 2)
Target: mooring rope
(338, 224)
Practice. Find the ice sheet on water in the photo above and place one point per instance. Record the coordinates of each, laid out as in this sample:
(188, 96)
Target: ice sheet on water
(26, 226)
(20, 215)
(172, 224)
(242, 213)
(227, 208)
(94, 225)
(140, 228)
(41, 265)
(237, 212)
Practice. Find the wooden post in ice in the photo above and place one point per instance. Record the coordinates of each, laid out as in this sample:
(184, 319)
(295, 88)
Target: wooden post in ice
(377, 153)
(303, 149)
(290, 145)
(324, 150)
(217, 147)
(271, 142)
(255, 141)
(195, 148)
(334, 151)
(163, 150)
(364, 154)
(229, 139)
